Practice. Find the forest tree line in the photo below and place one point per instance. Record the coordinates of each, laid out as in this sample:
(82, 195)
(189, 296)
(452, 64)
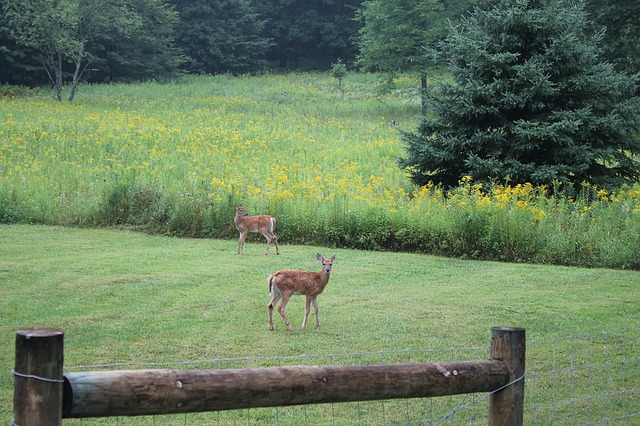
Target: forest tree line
(137, 40)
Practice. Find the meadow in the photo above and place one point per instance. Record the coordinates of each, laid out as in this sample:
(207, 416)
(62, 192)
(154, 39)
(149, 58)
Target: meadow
(175, 159)
(129, 300)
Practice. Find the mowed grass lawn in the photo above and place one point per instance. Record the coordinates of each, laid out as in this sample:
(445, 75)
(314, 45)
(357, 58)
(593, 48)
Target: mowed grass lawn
(122, 297)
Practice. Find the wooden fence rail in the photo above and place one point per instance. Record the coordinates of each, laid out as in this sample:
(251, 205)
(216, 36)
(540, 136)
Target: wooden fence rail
(44, 395)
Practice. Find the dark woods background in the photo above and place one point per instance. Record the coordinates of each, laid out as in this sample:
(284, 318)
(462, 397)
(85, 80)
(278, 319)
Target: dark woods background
(137, 40)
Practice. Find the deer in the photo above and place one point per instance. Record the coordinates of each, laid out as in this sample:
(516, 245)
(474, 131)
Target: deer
(286, 283)
(261, 223)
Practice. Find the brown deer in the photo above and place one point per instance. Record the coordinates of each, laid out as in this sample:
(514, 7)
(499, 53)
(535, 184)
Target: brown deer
(261, 223)
(286, 283)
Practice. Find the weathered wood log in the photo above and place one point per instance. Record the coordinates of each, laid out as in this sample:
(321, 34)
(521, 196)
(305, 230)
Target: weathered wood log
(506, 407)
(38, 374)
(145, 392)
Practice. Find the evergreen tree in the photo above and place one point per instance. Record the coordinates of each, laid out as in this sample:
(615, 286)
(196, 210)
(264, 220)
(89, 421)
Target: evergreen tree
(221, 36)
(531, 102)
(18, 63)
(310, 34)
(621, 43)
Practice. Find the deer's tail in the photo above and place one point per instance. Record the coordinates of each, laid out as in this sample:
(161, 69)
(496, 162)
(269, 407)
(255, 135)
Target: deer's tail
(270, 280)
(272, 225)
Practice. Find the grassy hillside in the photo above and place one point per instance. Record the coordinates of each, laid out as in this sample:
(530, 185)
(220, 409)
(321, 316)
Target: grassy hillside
(129, 297)
(175, 159)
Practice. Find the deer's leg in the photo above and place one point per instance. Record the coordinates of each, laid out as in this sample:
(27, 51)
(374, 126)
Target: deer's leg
(274, 300)
(243, 236)
(266, 235)
(314, 301)
(281, 308)
(275, 240)
(307, 308)
(270, 236)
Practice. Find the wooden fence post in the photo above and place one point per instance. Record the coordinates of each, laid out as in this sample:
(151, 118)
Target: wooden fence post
(38, 377)
(506, 407)
(39, 384)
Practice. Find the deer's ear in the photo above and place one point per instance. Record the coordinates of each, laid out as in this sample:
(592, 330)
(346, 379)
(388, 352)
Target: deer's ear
(319, 257)
(333, 257)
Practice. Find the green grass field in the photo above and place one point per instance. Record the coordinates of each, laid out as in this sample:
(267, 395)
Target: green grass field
(126, 297)
(173, 160)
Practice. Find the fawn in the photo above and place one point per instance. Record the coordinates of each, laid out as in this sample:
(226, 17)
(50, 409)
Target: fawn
(286, 283)
(261, 223)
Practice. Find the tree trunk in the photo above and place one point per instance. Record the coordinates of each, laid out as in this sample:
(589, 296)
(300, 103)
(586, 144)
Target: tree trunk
(423, 94)
(77, 74)
(58, 73)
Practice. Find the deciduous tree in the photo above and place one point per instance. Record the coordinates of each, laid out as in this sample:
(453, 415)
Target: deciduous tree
(395, 34)
(142, 48)
(54, 28)
(67, 32)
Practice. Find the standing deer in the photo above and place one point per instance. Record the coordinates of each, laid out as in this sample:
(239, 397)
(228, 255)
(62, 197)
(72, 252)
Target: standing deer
(287, 283)
(261, 223)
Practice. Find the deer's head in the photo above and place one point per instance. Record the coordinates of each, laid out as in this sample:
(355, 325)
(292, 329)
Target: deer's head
(326, 263)
(241, 211)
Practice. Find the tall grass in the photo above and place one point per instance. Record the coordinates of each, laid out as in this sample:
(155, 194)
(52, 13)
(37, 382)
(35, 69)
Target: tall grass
(176, 159)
